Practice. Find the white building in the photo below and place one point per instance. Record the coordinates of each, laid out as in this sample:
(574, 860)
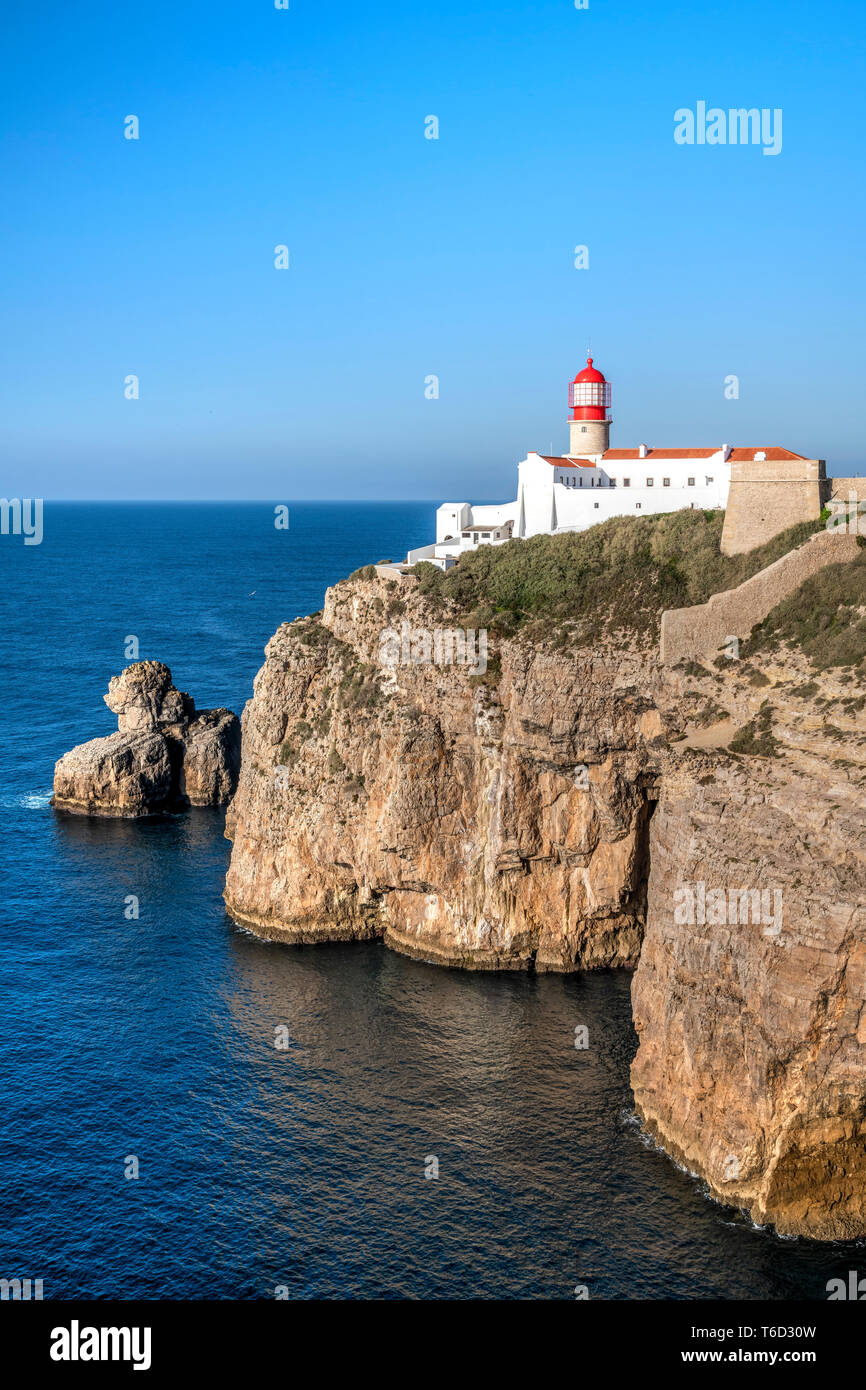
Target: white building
(593, 482)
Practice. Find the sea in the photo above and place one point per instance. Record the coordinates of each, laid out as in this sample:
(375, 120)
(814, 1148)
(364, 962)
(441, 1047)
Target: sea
(424, 1133)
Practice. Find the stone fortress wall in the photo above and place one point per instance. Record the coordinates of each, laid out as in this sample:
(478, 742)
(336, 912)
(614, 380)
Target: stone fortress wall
(841, 489)
(767, 496)
(690, 633)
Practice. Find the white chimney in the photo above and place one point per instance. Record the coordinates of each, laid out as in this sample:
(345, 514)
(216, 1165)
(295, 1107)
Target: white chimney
(761, 456)
(642, 451)
(726, 452)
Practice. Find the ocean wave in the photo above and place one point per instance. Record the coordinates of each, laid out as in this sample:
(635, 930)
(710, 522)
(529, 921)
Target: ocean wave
(25, 801)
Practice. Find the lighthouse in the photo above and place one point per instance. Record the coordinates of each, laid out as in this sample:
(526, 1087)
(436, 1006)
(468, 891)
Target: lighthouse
(588, 403)
(592, 482)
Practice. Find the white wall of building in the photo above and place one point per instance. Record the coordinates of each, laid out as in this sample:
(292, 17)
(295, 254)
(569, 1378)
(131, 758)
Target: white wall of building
(451, 517)
(565, 496)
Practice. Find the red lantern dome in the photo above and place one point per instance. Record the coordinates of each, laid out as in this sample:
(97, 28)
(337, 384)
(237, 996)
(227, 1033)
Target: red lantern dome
(589, 395)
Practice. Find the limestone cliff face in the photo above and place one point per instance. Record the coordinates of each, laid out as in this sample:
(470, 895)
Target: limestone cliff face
(581, 808)
(752, 1065)
(490, 825)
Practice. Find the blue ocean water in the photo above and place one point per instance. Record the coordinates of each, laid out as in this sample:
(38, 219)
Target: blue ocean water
(154, 1038)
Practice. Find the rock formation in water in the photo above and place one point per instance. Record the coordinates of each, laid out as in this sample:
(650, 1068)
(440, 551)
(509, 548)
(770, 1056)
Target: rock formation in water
(164, 756)
(580, 805)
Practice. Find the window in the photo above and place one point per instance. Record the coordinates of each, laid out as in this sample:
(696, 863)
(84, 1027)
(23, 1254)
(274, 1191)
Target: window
(583, 429)
(666, 482)
(466, 535)
(691, 482)
(595, 504)
(612, 482)
(581, 482)
(626, 482)
(485, 535)
(649, 482)
(709, 480)
(637, 506)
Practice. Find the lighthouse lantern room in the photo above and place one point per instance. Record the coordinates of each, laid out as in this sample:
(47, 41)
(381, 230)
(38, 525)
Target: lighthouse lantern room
(588, 402)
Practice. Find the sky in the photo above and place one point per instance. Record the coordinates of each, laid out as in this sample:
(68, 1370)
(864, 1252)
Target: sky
(413, 258)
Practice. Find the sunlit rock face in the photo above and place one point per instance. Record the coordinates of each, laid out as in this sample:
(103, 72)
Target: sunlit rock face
(487, 823)
(556, 812)
(163, 757)
(751, 1067)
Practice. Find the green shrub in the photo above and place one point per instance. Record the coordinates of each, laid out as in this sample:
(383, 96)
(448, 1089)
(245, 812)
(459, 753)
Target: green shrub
(491, 675)
(756, 739)
(825, 618)
(620, 574)
(359, 688)
(430, 578)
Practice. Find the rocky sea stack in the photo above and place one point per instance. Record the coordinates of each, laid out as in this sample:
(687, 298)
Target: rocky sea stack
(164, 757)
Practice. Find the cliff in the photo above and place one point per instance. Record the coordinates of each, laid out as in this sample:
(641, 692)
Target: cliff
(164, 756)
(749, 1006)
(749, 997)
(577, 804)
(488, 826)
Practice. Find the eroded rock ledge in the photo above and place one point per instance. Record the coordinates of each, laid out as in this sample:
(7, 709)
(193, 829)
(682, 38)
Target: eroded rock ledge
(165, 756)
(549, 815)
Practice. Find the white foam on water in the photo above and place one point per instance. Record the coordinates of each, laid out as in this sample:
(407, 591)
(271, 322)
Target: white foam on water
(30, 801)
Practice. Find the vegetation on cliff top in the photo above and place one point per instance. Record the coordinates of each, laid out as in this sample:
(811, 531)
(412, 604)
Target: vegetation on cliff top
(620, 574)
(825, 618)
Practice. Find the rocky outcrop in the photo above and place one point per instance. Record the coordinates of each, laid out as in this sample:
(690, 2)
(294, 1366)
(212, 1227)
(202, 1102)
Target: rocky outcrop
(122, 775)
(580, 806)
(211, 758)
(163, 757)
(491, 825)
(143, 697)
(750, 994)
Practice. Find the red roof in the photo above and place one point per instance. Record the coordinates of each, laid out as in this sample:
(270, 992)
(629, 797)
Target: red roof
(589, 373)
(566, 462)
(774, 454)
(614, 454)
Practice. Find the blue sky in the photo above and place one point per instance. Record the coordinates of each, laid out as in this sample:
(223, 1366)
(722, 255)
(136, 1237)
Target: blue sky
(411, 257)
